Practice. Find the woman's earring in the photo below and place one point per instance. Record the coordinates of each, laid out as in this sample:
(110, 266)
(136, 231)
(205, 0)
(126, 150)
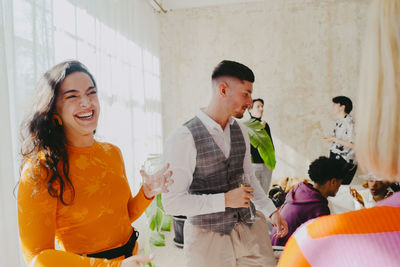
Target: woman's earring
(56, 120)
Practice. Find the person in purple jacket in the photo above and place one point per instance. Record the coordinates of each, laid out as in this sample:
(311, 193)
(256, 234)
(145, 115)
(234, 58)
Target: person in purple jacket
(306, 201)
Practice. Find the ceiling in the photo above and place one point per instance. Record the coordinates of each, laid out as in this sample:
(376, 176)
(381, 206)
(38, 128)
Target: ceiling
(178, 4)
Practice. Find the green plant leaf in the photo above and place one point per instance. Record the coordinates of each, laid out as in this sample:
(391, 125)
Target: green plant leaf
(166, 223)
(149, 264)
(157, 239)
(159, 202)
(158, 219)
(152, 225)
(260, 139)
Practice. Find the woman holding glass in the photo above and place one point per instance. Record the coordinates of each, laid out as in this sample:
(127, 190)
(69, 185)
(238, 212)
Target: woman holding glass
(72, 187)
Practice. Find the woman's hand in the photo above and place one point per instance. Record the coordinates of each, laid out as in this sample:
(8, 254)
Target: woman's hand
(156, 183)
(357, 196)
(136, 261)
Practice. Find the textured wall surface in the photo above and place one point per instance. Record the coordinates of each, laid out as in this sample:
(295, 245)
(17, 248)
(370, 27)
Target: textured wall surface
(303, 53)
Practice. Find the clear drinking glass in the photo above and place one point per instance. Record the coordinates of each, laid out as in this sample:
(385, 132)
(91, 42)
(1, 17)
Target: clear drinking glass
(152, 166)
(246, 183)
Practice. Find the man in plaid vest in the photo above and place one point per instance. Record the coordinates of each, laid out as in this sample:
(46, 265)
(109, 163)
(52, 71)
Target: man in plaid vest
(210, 157)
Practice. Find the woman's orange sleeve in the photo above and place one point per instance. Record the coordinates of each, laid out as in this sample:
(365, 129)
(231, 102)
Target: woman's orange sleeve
(138, 204)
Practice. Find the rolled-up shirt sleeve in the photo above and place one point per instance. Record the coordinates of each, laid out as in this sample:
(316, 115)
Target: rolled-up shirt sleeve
(180, 152)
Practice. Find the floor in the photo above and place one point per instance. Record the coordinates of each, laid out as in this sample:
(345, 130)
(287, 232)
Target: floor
(170, 255)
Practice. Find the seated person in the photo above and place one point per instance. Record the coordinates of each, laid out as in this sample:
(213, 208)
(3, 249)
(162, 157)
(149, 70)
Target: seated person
(306, 201)
(378, 190)
(281, 187)
(277, 195)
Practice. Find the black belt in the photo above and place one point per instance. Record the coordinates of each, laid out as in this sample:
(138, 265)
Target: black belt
(124, 250)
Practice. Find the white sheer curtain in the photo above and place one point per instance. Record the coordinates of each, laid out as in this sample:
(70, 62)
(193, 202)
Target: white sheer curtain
(118, 41)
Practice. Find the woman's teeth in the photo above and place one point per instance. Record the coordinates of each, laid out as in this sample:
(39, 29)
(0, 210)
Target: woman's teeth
(85, 115)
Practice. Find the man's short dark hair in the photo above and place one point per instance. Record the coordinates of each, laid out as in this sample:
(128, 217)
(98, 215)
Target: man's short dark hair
(258, 99)
(324, 169)
(344, 100)
(233, 69)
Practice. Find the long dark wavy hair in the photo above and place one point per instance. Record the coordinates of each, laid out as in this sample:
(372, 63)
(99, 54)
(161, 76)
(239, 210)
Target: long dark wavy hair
(43, 141)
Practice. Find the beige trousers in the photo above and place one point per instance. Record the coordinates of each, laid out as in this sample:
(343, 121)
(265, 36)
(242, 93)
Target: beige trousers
(245, 246)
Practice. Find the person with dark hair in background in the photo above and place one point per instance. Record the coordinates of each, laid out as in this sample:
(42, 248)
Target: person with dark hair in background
(262, 172)
(73, 188)
(342, 139)
(210, 157)
(378, 191)
(306, 201)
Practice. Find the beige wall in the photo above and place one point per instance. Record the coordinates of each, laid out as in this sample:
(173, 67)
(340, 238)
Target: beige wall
(303, 52)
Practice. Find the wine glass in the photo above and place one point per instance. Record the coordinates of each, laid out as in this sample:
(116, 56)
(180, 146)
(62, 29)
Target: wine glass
(245, 182)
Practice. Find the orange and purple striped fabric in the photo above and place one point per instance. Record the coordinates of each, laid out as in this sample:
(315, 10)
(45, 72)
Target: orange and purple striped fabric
(367, 237)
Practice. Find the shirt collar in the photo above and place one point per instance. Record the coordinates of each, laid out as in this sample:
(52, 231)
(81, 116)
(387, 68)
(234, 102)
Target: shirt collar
(254, 118)
(346, 118)
(209, 122)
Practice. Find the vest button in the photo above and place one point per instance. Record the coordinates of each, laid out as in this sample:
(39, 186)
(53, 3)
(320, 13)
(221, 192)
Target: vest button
(235, 216)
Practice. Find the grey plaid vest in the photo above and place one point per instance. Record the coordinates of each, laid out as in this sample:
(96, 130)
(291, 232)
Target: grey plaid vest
(214, 173)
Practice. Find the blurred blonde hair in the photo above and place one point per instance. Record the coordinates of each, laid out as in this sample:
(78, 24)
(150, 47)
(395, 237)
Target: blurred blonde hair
(378, 123)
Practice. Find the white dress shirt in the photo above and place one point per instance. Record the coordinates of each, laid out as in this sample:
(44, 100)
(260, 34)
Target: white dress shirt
(180, 152)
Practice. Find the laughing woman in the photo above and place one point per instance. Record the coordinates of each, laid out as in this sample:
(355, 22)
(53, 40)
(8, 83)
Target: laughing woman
(73, 188)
